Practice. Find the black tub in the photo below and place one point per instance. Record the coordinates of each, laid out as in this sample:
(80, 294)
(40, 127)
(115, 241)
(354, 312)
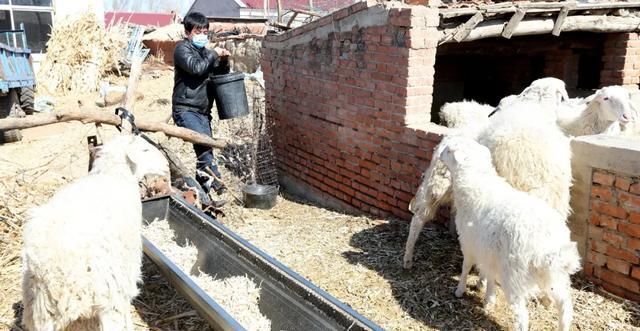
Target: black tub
(288, 300)
(230, 95)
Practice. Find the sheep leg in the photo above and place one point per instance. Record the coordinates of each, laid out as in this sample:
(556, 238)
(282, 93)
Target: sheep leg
(462, 283)
(417, 223)
(561, 295)
(35, 315)
(482, 279)
(519, 308)
(115, 320)
(490, 294)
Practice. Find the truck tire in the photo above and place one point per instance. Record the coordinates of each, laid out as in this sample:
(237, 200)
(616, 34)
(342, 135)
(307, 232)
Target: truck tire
(6, 105)
(10, 136)
(27, 99)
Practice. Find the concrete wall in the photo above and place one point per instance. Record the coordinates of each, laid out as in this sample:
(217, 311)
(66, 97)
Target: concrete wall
(606, 211)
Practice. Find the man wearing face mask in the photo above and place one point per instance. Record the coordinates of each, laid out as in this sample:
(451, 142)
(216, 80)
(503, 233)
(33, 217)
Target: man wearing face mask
(191, 103)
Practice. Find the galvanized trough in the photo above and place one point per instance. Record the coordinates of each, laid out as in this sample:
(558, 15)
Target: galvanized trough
(288, 300)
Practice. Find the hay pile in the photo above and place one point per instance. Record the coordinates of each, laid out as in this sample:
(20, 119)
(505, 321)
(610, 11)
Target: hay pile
(81, 52)
(238, 295)
(163, 238)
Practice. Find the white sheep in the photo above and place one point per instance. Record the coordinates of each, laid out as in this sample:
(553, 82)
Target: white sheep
(500, 230)
(550, 92)
(464, 113)
(535, 159)
(531, 154)
(605, 112)
(82, 250)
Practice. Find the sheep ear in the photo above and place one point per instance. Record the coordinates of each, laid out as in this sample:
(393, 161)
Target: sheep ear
(132, 152)
(458, 156)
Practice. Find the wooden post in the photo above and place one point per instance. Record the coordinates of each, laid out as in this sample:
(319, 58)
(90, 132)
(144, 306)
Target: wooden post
(134, 75)
(279, 10)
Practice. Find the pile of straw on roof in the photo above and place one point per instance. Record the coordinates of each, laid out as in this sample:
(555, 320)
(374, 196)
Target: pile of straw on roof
(80, 52)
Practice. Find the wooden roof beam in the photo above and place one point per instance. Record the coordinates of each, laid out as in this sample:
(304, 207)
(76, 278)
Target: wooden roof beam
(557, 27)
(513, 23)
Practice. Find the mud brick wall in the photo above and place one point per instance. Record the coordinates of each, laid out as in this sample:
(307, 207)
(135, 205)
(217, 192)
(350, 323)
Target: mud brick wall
(349, 97)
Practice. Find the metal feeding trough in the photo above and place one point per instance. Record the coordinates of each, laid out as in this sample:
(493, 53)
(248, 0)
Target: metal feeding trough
(288, 300)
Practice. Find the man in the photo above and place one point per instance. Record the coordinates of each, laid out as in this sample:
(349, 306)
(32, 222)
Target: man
(191, 103)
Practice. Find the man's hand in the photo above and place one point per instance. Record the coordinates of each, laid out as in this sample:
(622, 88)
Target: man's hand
(221, 52)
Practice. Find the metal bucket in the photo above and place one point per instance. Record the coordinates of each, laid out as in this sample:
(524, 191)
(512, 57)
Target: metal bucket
(260, 196)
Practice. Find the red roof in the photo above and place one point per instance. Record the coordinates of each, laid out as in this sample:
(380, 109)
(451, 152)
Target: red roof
(320, 5)
(152, 19)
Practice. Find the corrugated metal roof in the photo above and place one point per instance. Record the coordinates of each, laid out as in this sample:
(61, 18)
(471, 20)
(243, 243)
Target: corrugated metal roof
(153, 19)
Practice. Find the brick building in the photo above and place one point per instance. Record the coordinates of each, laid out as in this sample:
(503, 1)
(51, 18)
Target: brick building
(354, 96)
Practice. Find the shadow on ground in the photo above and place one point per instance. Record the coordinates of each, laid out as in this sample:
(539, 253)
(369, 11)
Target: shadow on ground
(425, 291)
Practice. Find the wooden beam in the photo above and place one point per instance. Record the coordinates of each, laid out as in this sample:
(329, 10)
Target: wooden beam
(293, 17)
(557, 27)
(537, 7)
(533, 26)
(92, 116)
(463, 30)
(306, 12)
(513, 23)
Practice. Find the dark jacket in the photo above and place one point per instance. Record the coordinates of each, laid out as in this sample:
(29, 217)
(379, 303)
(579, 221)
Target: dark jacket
(192, 68)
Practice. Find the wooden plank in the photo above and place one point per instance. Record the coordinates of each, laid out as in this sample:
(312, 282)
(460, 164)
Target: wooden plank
(463, 30)
(513, 23)
(557, 27)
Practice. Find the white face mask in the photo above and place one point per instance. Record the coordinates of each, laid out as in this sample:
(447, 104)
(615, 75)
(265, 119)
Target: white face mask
(199, 40)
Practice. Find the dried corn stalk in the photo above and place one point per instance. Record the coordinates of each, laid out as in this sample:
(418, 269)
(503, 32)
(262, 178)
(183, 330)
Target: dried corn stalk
(80, 52)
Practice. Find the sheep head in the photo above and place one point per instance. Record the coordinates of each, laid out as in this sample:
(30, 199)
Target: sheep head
(144, 158)
(615, 104)
(546, 89)
(455, 151)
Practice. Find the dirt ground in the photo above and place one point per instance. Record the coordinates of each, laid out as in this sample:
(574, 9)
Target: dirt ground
(355, 258)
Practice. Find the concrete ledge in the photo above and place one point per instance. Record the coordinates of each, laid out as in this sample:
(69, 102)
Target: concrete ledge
(615, 154)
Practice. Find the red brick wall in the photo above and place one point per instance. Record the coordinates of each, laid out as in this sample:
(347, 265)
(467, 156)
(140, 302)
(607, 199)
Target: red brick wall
(562, 64)
(339, 104)
(621, 60)
(613, 252)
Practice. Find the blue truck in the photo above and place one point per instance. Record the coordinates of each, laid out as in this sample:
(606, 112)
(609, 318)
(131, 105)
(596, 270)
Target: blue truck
(17, 79)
